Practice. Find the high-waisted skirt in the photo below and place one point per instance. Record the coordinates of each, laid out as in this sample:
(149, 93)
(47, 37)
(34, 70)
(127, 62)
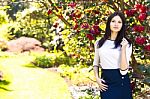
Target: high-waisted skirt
(118, 85)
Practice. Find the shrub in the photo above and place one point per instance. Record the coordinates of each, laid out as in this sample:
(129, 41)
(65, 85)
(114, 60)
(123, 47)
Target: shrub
(43, 61)
(64, 59)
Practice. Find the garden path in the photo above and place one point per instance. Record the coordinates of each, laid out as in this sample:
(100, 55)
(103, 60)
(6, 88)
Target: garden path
(29, 82)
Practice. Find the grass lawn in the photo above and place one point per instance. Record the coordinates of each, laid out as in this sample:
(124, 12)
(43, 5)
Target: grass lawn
(30, 82)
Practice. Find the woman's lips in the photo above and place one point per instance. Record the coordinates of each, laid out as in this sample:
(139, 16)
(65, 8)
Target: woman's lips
(116, 27)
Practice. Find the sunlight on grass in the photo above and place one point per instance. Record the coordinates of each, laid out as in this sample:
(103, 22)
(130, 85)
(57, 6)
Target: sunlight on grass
(31, 83)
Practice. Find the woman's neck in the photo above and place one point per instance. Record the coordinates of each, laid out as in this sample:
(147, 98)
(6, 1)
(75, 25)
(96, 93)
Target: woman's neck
(113, 36)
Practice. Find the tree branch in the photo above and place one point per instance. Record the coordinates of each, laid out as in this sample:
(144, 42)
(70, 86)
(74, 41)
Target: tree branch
(59, 15)
(50, 1)
(114, 6)
(134, 65)
(122, 5)
(130, 2)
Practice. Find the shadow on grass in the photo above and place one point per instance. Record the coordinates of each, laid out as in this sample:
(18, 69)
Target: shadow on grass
(4, 82)
(30, 65)
(5, 89)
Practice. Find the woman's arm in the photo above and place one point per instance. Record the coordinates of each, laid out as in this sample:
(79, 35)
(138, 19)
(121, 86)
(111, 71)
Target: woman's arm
(96, 71)
(103, 87)
(125, 56)
(96, 62)
(123, 61)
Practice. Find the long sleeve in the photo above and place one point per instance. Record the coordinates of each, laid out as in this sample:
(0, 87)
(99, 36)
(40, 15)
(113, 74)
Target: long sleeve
(128, 55)
(96, 55)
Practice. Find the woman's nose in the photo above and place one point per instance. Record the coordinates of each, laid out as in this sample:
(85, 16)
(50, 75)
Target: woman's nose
(116, 23)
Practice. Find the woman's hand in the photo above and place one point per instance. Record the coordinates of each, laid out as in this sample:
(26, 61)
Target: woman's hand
(103, 87)
(124, 43)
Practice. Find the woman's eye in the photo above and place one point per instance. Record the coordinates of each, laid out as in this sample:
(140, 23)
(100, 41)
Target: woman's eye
(116, 21)
(119, 22)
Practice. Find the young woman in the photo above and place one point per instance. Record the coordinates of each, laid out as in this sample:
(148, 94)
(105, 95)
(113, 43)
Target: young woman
(112, 54)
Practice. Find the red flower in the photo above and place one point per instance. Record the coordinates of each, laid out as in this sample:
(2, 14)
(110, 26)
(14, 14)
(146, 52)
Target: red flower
(96, 11)
(135, 28)
(90, 36)
(76, 26)
(49, 12)
(138, 28)
(141, 28)
(143, 9)
(147, 47)
(85, 25)
(59, 7)
(72, 15)
(73, 4)
(78, 31)
(142, 16)
(92, 31)
(137, 6)
(133, 11)
(96, 29)
(140, 40)
(55, 25)
(130, 12)
(78, 15)
(132, 84)
(127, 12)
(97, 22)
(74, 19)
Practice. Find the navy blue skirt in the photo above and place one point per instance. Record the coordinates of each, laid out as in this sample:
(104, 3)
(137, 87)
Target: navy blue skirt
(118, 85)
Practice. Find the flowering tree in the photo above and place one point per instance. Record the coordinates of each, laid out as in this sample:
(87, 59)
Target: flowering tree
(91, 17)
(86, 22)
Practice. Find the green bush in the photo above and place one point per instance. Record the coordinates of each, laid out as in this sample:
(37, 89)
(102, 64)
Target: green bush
(67, 71)
(89, 97)
(47, 60)
(43, 61)
(3, 17)
(63, 59)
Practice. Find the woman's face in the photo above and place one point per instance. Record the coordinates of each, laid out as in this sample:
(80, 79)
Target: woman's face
(116, 24)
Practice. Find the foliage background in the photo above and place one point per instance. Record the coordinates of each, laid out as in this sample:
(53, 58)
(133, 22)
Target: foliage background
(73, 26)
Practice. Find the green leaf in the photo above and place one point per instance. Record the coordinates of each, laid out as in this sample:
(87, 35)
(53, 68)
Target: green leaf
(110, 1)
(148, 13)
(148, 71)
(147, 80)
(148, 1)
(142, 68)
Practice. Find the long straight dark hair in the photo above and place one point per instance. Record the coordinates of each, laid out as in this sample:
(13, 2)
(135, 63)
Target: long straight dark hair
(120, 34)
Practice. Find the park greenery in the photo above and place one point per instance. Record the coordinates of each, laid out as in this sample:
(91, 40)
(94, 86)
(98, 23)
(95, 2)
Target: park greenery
(68, 30)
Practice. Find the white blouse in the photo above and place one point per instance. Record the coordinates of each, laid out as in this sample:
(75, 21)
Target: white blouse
(108, 57)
